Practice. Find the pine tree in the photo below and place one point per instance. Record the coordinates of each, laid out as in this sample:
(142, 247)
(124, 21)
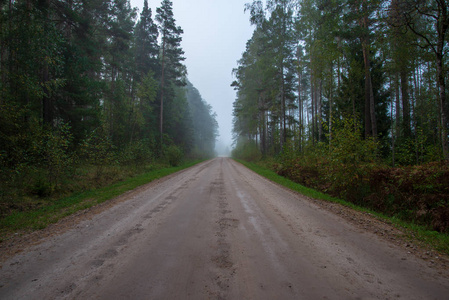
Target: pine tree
(119, 70)
(269, 53)
(146, 45)
(429, 21)
(173, 72)
(205, 126)
(79, 100)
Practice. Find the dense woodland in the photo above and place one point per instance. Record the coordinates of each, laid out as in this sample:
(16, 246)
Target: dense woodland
(89, 84)
(311, 64)
(350, 97)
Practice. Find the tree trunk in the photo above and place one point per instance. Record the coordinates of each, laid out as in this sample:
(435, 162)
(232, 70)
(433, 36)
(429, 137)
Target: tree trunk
(331, 79)
(161, 112)
(373, 110)
(313, 96)
(370, 115)
(442, 103)
(393, 131)
(283, 123)
(47, 114)
(300, 107)
(442, 28)
(441, 16)
(262, 130)
(405, 104)
(320, 114)
(398, 104)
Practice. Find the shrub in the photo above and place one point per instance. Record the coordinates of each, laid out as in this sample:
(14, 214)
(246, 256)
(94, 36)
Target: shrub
(137, 154)
(351, 158)
(173, 155)
(247, 150)
(97, 149)
(414, 193)
(53, 152)
(417, 150)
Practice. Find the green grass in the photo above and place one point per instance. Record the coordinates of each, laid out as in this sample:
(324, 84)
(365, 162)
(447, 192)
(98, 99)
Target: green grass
(56, 210)
(436, 240)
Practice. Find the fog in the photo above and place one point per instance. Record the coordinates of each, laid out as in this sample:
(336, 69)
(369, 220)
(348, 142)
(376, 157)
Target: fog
(215, 36)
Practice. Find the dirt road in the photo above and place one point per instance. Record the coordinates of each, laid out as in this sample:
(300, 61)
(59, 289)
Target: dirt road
(218, 231)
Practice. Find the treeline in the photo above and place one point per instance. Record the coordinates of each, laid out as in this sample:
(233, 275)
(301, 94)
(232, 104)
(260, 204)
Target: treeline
(311, 64)
(89, 83)
(349, 97)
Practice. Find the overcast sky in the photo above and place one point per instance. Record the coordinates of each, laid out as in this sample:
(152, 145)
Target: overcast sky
(215, 36)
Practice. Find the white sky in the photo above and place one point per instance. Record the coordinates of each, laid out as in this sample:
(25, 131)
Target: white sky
(215, 36)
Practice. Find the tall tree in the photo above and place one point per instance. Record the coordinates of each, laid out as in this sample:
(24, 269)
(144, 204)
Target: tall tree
(118, 69)
(279, 28)
(84, 69)
(205, 126)
(79, 100)
(146, 44)
(272, 44)
(429, 21)
(172, 72)
(362, 17)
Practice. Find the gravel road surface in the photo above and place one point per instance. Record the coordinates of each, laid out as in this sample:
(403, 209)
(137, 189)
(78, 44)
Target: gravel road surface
(218, 231)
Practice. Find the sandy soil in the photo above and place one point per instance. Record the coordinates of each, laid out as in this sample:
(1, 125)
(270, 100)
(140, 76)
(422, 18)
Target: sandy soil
(219, 231)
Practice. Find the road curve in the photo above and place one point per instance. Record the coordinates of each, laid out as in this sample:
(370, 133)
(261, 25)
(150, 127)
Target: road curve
(218, 231)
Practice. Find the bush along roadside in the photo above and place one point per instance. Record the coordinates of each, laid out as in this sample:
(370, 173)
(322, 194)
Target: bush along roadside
(350, 168)
(418, 194)
(413, 198)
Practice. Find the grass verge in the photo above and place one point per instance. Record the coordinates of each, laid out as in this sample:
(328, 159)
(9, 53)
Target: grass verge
(434, 239)
(52, 213)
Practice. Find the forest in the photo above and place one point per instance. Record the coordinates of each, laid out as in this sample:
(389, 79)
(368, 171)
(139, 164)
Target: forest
(350, 97)
(89, 89)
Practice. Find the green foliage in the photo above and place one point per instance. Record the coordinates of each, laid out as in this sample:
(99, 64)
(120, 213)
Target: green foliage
(172, 54)
(340, 167)
(78, 98)
(350, 158)
(33, 150)
(14, 134)
(305, 68)
(247, 150)
(33, 47)
(147, 89)
(205, 126)
(98, 150)
(173, 155)
(417, 150)
(348, 167)
(42, 187)
(146, 47)
(178, 127)
(347, 145)
(138, 153)
(51, 151)
(418, 194)
(405, 154)
(266, 78)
